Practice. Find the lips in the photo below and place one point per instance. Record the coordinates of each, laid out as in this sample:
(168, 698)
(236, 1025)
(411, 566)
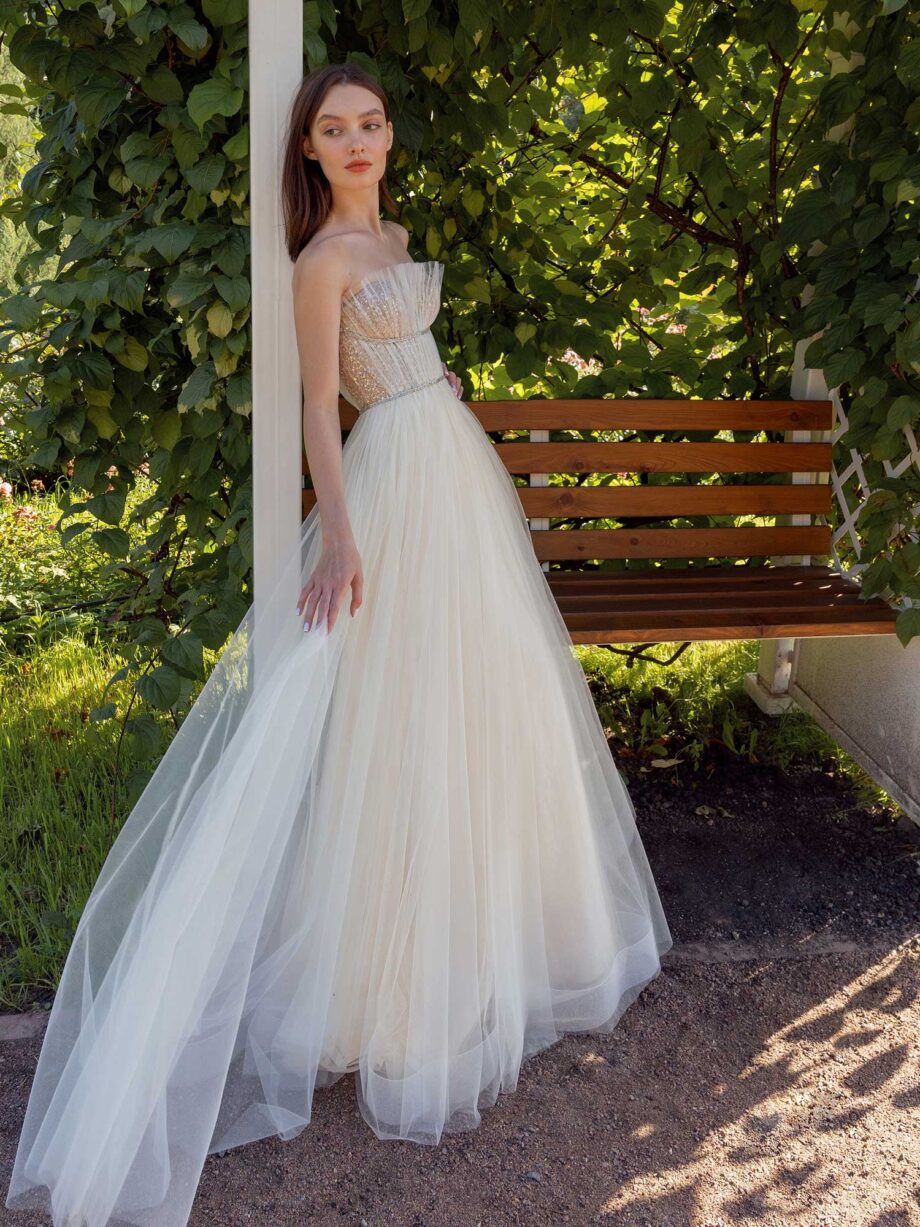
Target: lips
(357, 166)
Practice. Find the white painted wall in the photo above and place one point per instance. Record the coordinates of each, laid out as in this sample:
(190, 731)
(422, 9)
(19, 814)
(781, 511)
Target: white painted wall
(864, 691)
(275, 71)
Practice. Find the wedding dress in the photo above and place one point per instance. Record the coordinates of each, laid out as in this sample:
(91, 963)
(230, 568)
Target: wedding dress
(399, 847)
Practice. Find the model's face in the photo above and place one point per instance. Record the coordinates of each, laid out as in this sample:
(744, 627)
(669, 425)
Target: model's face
(350, 136)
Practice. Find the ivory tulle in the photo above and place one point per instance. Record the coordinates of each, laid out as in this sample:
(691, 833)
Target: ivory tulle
(399, 848)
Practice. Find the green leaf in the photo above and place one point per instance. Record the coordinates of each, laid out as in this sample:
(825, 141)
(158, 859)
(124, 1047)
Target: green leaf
(114, 541)
(236, 148)
(235, 291)
(843, 367)
(162, 85)
(201, 455)
(73, 530)
(230, 255)
(45, 454)
(224, 12)
(239, 392)
(886, 445)
(166, 428)
(207, 173)
(189, 285)
(133, 356)
(907, 69)
(108, 507)
(96, 104)
(184, 652)
(213, 97)
(160, 687)
(907, 625)
(144, 733)
(197, 387)
(102, 420)
(22, 311)
(904, 411)
(173, 239)
(220, 319)
(807, 218)
(146, 171)
(183, 24)
(126, 289)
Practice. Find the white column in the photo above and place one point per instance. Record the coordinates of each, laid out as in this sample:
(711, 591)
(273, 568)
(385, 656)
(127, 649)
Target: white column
(275, 71)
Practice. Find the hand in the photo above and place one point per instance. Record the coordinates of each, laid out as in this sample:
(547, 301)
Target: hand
(454, 381)
(338, 569)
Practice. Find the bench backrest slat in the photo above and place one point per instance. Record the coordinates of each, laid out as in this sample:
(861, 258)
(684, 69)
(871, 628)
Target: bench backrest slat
(654, 415)
(588, 457)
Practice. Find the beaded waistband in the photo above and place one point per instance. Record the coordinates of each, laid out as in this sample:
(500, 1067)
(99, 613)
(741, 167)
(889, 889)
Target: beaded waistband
(396, 395)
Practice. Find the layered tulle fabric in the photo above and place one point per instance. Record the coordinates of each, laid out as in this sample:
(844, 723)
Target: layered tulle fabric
(399, 848)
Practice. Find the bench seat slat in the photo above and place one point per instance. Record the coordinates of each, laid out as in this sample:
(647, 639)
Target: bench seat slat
(664, 606)
(734, 579)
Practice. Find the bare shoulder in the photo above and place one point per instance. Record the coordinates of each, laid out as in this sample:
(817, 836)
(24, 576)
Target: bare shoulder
(400, 231)
(323, 262)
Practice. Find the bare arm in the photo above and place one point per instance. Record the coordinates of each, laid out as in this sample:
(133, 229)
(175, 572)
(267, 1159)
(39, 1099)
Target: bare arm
(318, 283)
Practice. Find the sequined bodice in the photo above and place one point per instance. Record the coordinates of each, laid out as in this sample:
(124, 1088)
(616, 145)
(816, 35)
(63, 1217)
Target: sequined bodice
(385, 343)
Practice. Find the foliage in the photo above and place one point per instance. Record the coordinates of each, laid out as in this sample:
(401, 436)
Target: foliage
(47, 587)
(134, 357)
(628, 182)
(860, 223)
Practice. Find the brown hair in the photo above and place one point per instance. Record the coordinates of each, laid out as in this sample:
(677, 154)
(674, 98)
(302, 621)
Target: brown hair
(306, 197)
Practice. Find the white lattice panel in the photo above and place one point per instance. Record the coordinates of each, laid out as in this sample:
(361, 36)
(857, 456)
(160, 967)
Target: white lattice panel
(852, 490)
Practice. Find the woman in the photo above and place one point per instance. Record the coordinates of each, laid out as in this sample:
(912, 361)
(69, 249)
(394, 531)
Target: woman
(388, 839)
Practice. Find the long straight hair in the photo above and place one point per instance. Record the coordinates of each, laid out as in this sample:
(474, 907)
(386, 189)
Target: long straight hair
(306, 197)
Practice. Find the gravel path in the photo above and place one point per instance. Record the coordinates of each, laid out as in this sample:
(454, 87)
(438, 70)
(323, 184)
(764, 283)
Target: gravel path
(768, 1076)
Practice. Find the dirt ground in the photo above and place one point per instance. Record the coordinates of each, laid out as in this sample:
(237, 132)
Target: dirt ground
(768, 1076)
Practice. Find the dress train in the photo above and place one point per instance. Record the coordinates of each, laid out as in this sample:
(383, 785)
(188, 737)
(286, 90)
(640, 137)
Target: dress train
(399, 848)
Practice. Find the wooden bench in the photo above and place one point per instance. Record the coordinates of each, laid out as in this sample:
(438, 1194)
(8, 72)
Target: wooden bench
(602, 573)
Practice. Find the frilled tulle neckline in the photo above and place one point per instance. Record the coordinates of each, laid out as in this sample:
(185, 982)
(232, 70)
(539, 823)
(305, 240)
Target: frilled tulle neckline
(384, 274)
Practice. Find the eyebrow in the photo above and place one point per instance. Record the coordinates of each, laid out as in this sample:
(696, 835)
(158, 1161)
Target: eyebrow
(372, 111)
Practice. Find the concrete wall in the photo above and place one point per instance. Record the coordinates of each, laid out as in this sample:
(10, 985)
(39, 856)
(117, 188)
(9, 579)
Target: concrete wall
(865, 692)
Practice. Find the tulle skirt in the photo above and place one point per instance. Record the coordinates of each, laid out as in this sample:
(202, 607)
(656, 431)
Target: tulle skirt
(399, 848)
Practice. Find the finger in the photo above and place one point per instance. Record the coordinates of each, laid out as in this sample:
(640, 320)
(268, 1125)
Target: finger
(310, 610)
(334, 603)
(304, 594)
(322, 608)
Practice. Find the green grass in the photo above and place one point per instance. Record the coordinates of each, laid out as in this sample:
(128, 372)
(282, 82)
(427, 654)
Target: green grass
(64, 791)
